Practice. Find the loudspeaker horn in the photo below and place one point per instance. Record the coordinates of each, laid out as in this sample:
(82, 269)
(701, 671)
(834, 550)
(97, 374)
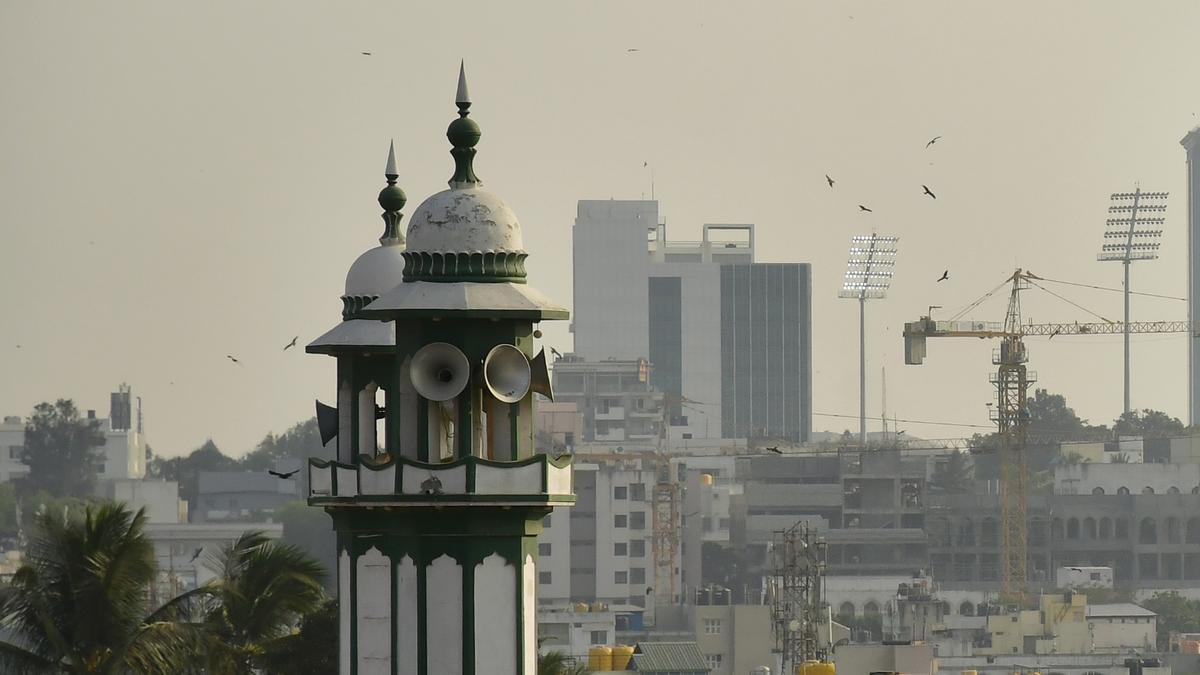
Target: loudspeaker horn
(506, 373)
(541, 376)
(439, 371)
(327, 422)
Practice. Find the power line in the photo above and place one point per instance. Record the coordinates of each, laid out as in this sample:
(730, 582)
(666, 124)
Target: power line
(940, 424)
(1114, 290)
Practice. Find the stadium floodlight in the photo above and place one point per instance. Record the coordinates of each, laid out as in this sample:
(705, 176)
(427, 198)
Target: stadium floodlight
(869, 270)
(1131, 233)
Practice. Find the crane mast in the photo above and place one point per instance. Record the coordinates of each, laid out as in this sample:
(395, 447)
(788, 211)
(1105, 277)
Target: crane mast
(1012, 379)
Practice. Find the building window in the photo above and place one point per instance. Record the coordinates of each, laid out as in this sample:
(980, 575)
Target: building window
(620, 548)
(637, 548)
(714, 660)
(637, 491)
(14, 452)
(620, 577)
(637, 575)
(544, 578)
(637, 520)
(620, 492)
(599, 637)
(712, 626)
(543, 549)
(546, 521)
(619, 521)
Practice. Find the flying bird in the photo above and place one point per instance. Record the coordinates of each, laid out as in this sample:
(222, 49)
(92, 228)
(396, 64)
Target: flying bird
(929, 192)
(283, 474)
(863, 208)
(292, 343)
(829, 180)
(775, 449)
(555, 352)
(945, 276)
(365, 53)
(231, 357)
(631, 49)
(196, 554)
(935, 140)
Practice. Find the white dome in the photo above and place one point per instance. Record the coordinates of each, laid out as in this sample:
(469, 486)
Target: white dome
(464, 220)
(376, 272)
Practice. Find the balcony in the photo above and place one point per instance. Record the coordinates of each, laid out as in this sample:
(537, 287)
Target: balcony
(612, 414)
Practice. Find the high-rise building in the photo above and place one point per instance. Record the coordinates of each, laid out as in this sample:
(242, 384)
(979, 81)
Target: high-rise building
(1191, 143)
(730, 339)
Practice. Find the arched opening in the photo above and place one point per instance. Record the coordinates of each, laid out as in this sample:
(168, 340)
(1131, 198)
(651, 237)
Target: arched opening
(1122, 490)
(1172, 530)
(1089, 528)
(846, 611)
(1037, 532)
(1172, 490)
(1072, 528)
(1147, 490)
(1193, 531)
(1148, 531)
(1106, 528)
(1097, 490)
(966, 532)
(966, 608)
(945, 608)
(1056, 530)
(870, 610)
(380, 421)
(1196, 490)
(988, 532)
(1120, 528)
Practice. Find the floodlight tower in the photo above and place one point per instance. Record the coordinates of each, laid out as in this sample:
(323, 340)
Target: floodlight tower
(868, 275)
(1132, 235)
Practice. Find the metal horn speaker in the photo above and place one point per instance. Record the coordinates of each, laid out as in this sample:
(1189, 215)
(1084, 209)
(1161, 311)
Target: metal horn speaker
(439, 371)
(327, 422)
(506, 373)
(541, 376)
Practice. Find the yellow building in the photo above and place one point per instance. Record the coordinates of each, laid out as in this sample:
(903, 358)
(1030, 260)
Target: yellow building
(1058, 626)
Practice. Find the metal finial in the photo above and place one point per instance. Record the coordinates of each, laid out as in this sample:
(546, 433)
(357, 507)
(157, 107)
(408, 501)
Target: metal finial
(463, 97)
(390, 172)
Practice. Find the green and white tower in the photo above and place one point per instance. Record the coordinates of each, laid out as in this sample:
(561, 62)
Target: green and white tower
(437, 514)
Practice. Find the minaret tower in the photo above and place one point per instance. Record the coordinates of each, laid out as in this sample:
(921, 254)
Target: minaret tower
(437, 517)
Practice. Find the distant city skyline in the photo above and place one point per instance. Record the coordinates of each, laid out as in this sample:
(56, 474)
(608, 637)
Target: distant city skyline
(180, 182)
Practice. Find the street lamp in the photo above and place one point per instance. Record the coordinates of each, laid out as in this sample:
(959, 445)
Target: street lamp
(868, 276)
(1130, 235)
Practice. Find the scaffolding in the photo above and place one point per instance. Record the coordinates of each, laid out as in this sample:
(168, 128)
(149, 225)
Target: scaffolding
(797, 616)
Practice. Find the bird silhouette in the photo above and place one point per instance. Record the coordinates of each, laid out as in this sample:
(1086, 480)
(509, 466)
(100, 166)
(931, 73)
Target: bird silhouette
(365, 53)
(555, 352)
(196, 554)
(829, 180)
(283, 474)
(775, 449)
(231, 357)
(928, 191)
(632, 49)
(945, 276)
(863, 208)
(292, 343)
(935, 140)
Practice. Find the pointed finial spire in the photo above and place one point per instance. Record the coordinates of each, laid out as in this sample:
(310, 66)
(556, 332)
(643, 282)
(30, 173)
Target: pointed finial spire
(463, 97)
(392, 199)
(464, 135)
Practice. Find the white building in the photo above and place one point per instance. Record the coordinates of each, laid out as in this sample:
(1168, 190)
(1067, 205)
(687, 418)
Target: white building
(1120, 627)
(12, 440)
(730, 336)
(573, 629)
(1112, 479)
(1083, 577)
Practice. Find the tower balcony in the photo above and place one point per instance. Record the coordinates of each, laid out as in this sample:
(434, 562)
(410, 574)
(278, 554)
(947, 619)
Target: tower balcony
(389, 480)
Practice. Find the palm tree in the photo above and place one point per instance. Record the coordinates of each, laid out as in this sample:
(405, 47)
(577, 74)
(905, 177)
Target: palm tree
(557, 663)
(78, 605)
(263, 589)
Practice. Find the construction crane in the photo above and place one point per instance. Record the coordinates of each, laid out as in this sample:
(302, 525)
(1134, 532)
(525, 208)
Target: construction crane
(1012, 379)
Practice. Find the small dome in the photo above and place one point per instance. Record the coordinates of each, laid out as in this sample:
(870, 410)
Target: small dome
(376, 272)
(464, 220)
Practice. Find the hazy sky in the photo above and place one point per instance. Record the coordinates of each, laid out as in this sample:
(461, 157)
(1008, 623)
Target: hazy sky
(182, 181)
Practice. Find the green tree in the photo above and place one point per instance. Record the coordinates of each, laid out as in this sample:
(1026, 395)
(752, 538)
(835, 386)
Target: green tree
(953, 475)
(1175, 613)
(310, 651)
(1148, 423)
(186, 470)
(77, 605)
(558, 663)
(61, 450)
(309, 530)
(263, 589)
(301, 441)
